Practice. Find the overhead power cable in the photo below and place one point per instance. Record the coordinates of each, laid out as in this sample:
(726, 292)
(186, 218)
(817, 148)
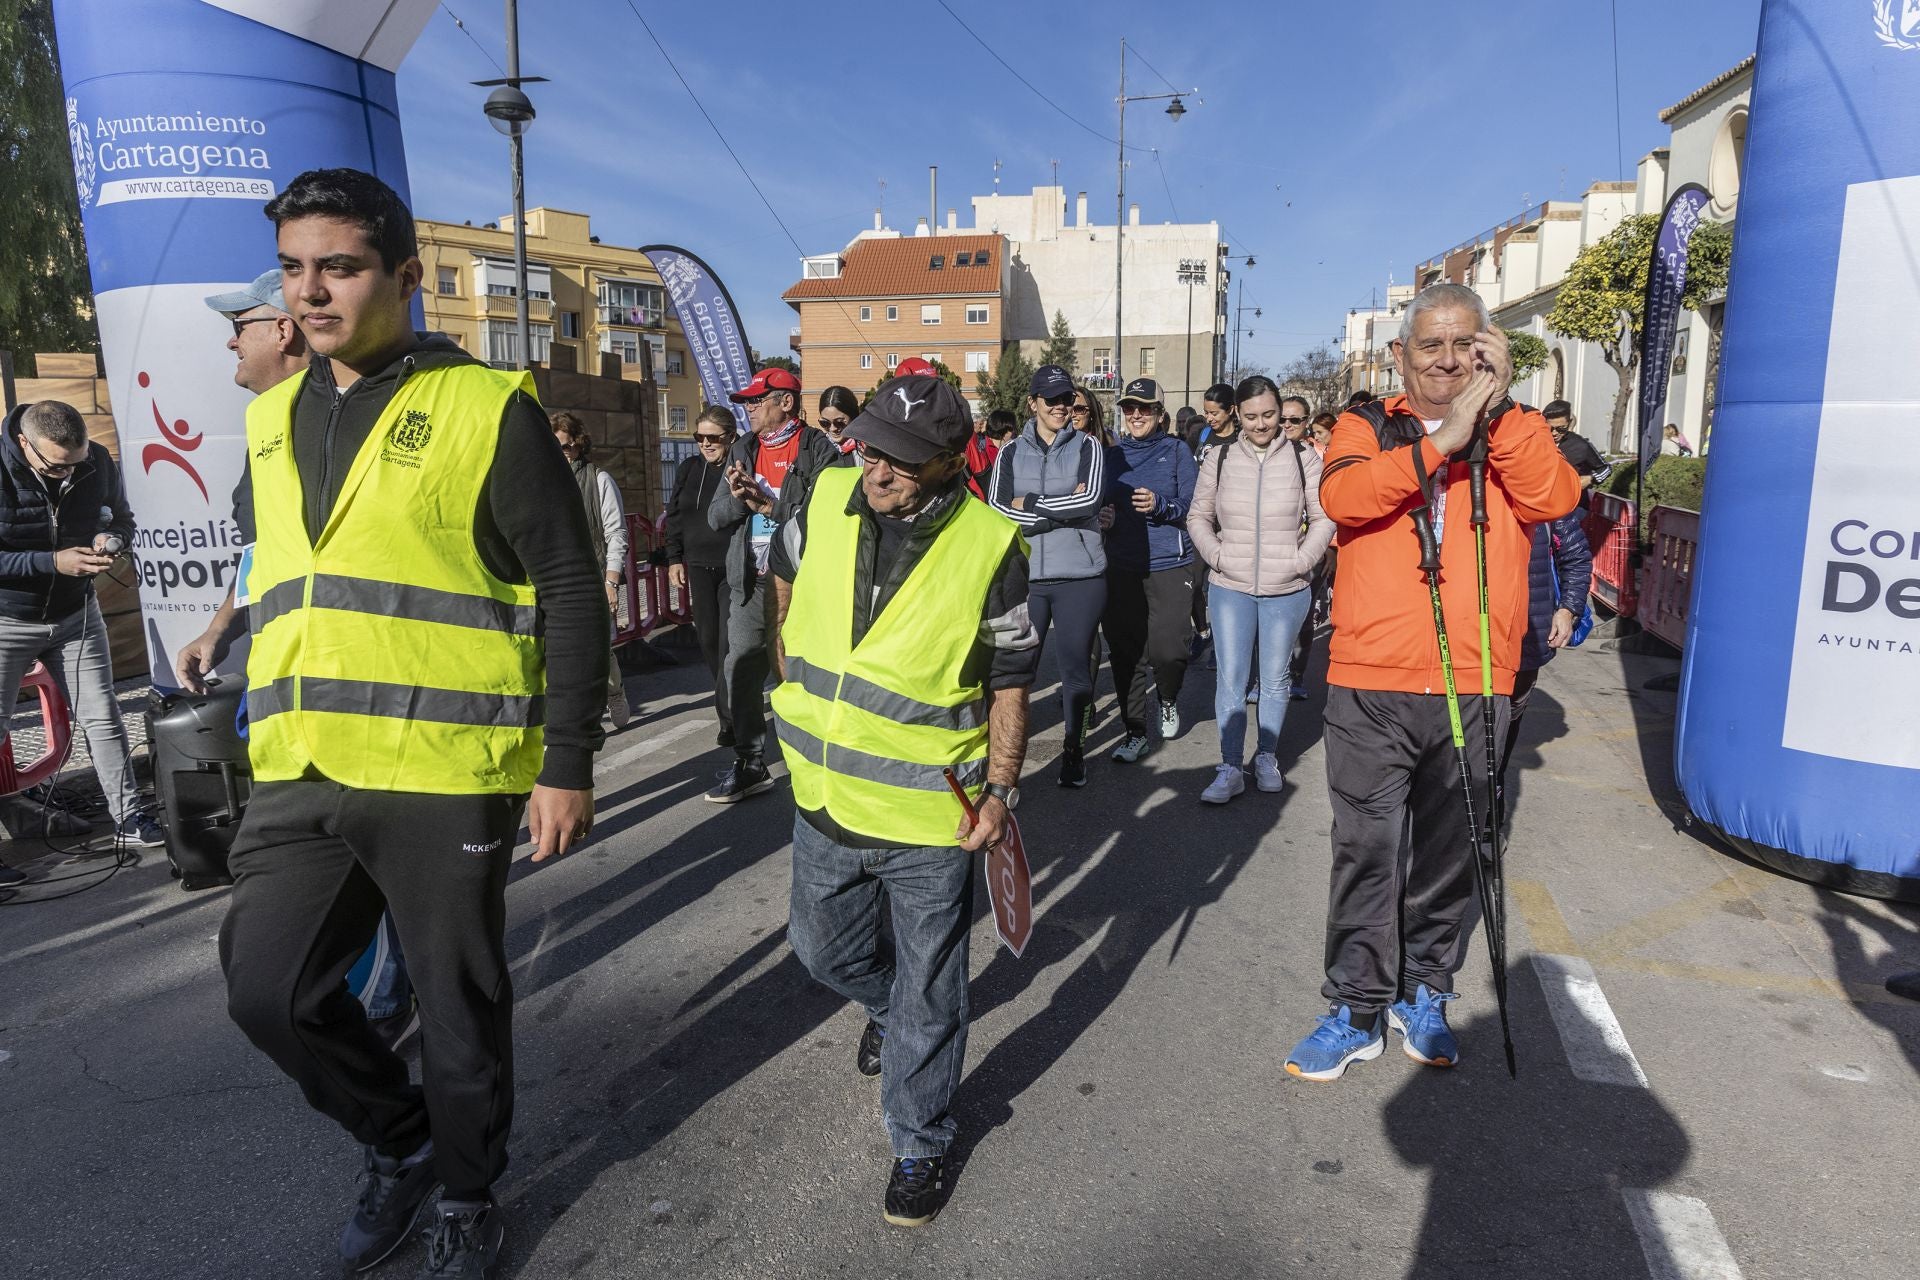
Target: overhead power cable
(1112, 142)
(738, 163)
(484, 51)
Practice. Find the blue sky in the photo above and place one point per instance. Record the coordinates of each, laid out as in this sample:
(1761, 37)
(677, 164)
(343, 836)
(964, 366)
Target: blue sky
(1337, 143)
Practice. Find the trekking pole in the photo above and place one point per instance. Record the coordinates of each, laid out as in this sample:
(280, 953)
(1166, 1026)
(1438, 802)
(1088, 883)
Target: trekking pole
(1494, 895)
(1430, 565)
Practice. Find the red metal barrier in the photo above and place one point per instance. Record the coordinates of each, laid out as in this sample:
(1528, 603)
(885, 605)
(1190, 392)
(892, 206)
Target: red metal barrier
(1610, 526)
(53, 714)
(1666, 576)
(647, 601)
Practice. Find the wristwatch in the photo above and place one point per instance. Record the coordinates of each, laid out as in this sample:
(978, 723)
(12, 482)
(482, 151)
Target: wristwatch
(1008, 796)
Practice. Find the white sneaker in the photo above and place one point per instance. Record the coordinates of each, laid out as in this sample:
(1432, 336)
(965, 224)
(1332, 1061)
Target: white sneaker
(1169, 720)
(1228, 782)
(1266, 772)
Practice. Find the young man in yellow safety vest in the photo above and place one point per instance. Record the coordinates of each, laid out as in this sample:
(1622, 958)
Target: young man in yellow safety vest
(905, 650)
(429, 661)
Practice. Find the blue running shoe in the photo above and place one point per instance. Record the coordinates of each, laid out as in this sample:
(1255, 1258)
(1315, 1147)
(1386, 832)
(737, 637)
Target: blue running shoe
(1424, 1024)
(1324, 1055)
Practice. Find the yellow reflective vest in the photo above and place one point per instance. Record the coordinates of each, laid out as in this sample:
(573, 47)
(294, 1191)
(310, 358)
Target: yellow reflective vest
(386, 655)
(867, 729)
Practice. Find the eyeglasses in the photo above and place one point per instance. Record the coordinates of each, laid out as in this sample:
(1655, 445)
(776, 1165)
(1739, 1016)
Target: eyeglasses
(756, 399)
(1292, 422)
(49, 468)
(912, 471)
(704, 438)
(238, 325)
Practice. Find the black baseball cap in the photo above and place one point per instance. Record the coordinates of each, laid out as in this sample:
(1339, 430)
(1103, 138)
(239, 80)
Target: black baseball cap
(1141, 391)
(914, 419)
(1050, 380)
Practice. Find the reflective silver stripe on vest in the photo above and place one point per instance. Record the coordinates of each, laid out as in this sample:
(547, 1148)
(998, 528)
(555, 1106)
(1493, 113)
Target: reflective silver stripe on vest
(277, 601)
(888, 705)
(398, 600)
(269, 699)
(398, 702)
(869, 768)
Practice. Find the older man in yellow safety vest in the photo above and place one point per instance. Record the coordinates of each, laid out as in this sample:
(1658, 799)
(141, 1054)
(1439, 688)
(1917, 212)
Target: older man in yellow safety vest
(906, 651)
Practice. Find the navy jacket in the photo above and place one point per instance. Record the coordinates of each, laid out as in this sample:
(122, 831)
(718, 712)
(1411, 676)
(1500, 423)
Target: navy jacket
(35, 523)
(1557, 545)
(1149, 543)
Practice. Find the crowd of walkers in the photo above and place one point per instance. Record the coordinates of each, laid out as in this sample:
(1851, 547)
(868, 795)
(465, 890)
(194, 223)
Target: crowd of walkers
(875, 589)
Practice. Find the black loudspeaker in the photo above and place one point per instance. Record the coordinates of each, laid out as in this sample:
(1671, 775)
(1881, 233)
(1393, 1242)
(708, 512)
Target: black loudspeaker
(201, 775)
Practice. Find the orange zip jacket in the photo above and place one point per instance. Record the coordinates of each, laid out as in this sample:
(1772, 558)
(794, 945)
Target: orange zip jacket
(1383, 634)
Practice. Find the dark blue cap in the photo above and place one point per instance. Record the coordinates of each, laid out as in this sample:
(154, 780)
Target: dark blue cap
(1050, 380)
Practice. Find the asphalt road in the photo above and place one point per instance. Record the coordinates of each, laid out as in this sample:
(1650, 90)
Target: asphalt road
(1732, 1094)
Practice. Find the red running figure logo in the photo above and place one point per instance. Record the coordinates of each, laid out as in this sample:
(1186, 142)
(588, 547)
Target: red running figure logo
(180, 436)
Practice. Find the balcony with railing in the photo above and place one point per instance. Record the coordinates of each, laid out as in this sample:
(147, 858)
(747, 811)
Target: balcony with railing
(498, 304)
(633, 317)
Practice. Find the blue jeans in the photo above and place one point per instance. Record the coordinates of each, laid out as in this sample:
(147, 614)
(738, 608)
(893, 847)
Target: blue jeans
(1238, 619)
(918, 991)
(378, 978)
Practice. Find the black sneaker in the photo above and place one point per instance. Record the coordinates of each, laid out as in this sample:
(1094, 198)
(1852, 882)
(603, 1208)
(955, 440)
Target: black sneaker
(464, 1240)
(393, 1194)
(1073, 768)
(739, 780)
(11, 875)
(139, 831)
(866, 1059)
(913, 1192)
(724, 738)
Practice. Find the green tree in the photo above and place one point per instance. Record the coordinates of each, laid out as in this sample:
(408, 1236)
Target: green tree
(788, 363)
(1006, 387)
(1529, 353)
(46, 294)
(1060, 348)
(1608, 278)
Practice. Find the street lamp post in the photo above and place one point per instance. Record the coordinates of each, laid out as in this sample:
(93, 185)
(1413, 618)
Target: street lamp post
(1239, 309)
(511, 112)
(1192, 271)
(1175, 109)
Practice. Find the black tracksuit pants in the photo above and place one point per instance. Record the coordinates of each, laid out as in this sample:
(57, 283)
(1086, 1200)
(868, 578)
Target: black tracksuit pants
(1148, 615)
(712, 604)
(1402, 879)
(314, 865)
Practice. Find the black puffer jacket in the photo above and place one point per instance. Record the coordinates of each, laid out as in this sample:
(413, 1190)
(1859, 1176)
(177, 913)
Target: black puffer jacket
(1559, 548)
(35, 522)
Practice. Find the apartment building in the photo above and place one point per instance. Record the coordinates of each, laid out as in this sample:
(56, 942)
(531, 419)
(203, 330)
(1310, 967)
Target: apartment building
(583, 298)
(867, 307)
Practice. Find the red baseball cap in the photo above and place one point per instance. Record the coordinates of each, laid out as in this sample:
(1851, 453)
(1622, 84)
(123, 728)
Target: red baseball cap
(914, 366)
(771, 378)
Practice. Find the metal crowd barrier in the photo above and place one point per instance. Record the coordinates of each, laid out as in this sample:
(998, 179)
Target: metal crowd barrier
(1611, 525)
(1666, 575)
(647, 601)
(55, 715)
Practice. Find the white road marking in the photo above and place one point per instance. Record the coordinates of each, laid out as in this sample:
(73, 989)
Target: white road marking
(1679, 1237)
(1596, 1047)
(652, 744)
(1850, 1072)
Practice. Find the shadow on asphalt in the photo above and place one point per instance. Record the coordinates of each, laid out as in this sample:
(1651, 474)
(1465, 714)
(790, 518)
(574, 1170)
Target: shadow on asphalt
(1524, 1177)
(1848, 923)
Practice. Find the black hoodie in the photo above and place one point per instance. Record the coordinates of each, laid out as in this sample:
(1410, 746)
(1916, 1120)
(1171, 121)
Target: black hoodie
(36, 521)
(530, 526)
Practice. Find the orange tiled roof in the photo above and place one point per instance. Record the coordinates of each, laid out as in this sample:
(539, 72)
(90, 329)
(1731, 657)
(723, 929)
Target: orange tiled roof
(900, 269)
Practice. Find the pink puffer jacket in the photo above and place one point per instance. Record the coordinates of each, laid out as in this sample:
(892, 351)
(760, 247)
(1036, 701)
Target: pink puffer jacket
(1246, 517)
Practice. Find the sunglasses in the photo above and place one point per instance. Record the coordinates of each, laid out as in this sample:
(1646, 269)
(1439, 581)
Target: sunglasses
(238, 325)
(703, 438)
(1060, 401)
(1292, 422)
(1081, 410)
(55, 469)
(835, 424)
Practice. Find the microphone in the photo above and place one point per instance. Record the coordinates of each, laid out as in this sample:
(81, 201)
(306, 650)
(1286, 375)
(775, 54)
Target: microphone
(113, 544)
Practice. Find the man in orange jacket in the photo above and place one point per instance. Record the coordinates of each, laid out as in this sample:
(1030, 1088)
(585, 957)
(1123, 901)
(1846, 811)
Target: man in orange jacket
(1395, 917)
